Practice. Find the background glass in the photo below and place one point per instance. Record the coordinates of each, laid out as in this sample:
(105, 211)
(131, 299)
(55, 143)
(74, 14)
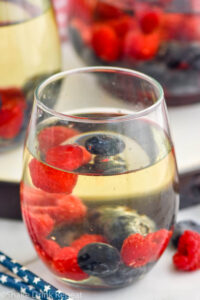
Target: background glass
(99, 192)
(160, 38)
(29, 53)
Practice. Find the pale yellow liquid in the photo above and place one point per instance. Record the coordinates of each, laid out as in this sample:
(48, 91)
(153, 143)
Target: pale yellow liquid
(148, 187)
(27, 48)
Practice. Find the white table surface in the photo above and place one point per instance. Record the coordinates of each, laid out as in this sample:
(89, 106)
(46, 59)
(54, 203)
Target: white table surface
(162, 283)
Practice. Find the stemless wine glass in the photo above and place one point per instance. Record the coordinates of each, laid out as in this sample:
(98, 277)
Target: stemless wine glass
(29, 53)
(99, 193)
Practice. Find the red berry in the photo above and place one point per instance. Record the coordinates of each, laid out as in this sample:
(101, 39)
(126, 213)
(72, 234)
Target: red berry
(66, 157)
(123, 25)
(65, 264)
(172, 26)
(187, 258)
(107, 11)
(82, 9)
(136, 251)
(87, 239)
(11, 112)
(53, 136)
(159, 241)
(105, 43)
(87, 156)
(33, 196)
(39, 225)
(47, 249)
(141, 46)
(190, 30)
(69, 209)
(150, 20)
(50, 179)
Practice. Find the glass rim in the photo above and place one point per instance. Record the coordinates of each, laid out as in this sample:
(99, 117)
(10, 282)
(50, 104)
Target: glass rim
(99, 69)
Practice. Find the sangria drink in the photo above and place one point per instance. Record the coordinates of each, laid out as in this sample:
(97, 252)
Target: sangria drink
(99, 192)
(160, 38)
(29, 53)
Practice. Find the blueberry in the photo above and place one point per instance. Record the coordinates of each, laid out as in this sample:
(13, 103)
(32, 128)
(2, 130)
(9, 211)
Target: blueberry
(117, 223)
(125, 275)
(99, 259)
(105, 145)
(172, 54)
(192, 55)
(180, 227)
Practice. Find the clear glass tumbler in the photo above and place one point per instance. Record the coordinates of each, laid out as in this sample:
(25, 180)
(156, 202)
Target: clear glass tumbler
(99, 193)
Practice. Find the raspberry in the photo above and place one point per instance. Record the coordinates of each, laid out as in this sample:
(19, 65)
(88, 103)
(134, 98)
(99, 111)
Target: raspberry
(69, 209)
(67, 157)
(107, 11)
(159, 241)
(53, 136)
(50, 179)
(11, 112)
(172, 26)
(190, 30)
(47, 249)
(187, 258)
(141, 46)
(136, 251)
(150, 20)
(39, 225)
(87, 239)
(123, 25)
(65, 264)
(33, 196)
(105, 43)
(86, 156)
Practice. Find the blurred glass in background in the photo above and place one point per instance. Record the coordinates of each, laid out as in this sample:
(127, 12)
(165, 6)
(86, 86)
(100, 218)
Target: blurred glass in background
(158, 37)
(29, 52)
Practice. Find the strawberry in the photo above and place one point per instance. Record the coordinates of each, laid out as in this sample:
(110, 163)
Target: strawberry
(50, 179)
(65, 264)
(86, 239)
(66, 157)
(53, 136)
(69, 209)
(105, 43)
(11, 112)
(141, 46)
